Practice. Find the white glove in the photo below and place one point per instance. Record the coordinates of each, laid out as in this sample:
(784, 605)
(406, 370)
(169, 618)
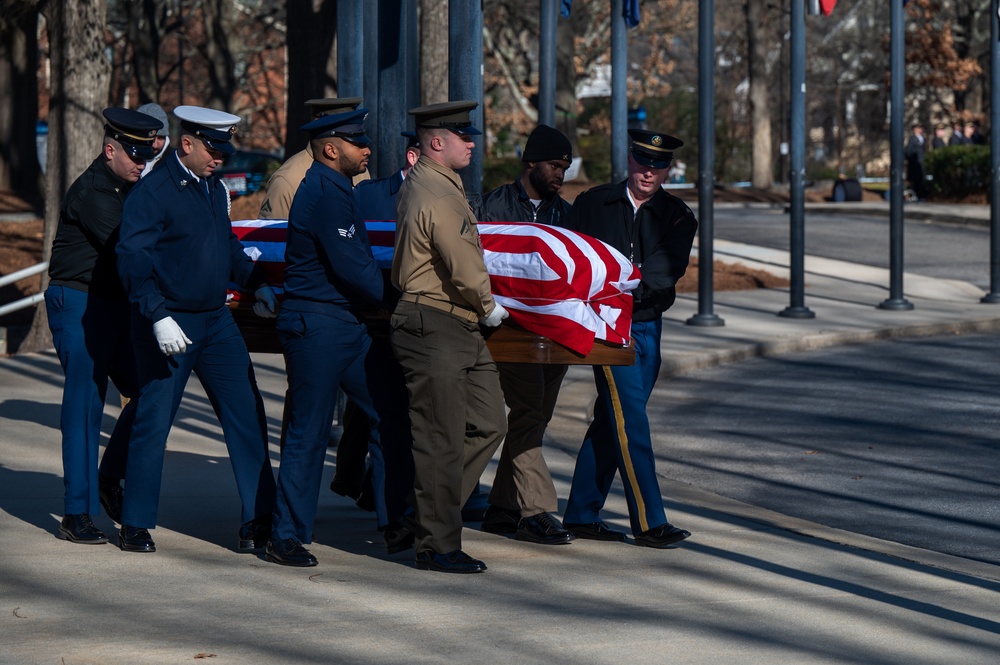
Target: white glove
(496, 316)
(170, 336)
(267, 304)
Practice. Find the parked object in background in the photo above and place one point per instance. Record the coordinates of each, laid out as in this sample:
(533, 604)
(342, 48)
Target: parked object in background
(246, 171)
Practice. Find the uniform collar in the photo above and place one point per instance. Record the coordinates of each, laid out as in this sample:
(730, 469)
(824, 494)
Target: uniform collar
(336, 177)
(451, 174)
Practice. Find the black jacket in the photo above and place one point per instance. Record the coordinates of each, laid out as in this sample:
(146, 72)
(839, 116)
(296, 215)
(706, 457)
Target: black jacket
(83, 252)
(657, 239)
(510, 203)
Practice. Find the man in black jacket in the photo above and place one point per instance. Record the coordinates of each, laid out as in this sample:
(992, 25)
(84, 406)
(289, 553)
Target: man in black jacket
(655, 231)
(89, 318)
(523, 497)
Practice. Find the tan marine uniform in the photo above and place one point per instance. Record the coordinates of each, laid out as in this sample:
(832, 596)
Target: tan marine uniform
(456, 404)
(281, 187)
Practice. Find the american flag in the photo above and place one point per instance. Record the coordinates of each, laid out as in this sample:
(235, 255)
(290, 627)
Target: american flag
(554, 282)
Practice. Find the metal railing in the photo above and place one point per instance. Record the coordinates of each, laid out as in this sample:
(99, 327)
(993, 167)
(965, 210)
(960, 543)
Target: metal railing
(16, 277)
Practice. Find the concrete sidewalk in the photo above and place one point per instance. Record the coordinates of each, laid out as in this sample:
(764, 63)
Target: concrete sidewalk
(750, 586)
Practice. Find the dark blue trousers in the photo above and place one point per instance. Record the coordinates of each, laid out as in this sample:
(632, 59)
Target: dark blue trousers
(619, 440)
(218, 357)
(91, 336)
(325, 347)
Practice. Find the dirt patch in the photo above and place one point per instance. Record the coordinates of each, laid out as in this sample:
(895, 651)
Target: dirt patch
(20, 247)
(730, 277)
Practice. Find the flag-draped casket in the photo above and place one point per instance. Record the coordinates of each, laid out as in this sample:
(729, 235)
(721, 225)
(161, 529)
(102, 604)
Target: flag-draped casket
(557, 284)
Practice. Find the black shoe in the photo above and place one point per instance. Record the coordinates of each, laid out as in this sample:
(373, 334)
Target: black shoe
(135, 539)
(596, 531)
(542, 529)
(501, 520)
(662, 536)
(452, 562)
(289, 552)
(254, 534)
(110, 493)
(80, 529)
(343, 488)
(398, 537)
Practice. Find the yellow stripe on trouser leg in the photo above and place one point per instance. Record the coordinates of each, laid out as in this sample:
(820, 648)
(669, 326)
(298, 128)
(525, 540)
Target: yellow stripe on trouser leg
(616, 407)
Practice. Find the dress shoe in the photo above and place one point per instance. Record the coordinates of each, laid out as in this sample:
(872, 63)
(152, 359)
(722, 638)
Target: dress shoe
(254, 534)
(135, 539)
(343, 488)
(501, 520)
(456, 561)
(80, 529)
(542, 529)
(596, 531)
(289, 552)
(398, 537)
(662, 536)
(110, 493)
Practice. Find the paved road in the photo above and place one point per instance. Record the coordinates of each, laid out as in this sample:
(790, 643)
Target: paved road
(896, 440)
(932, 249)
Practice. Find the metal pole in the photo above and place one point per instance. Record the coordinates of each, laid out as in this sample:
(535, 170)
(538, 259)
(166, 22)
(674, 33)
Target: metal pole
(993, 296)
(547, 63)
(370, 96)
(465, 78)
(391, 118)
(619, 94)
(797, 213)
(350, 48)
(706, 166)
(896, 301)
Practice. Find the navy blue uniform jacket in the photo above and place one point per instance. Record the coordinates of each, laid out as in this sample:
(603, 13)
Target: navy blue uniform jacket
(327, 255)
(658, 239)
(376, 199)
(177, 249)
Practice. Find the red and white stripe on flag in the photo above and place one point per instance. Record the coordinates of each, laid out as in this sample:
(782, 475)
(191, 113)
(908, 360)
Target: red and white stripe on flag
(563, 285)
(826, 6)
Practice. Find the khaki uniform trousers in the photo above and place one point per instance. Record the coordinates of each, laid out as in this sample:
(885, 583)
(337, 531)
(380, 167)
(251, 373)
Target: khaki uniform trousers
(456, 413)
(523, 481)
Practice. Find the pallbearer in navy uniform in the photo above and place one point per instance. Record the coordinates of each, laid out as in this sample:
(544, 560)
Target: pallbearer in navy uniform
(176, 255)
(89, 318)
(376, 201)
(655, 230)
(330, 275)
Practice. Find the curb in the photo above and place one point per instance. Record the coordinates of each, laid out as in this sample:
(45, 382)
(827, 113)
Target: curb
(693, 361)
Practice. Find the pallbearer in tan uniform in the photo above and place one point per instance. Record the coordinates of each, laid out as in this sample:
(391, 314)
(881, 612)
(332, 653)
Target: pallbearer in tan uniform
(456, 404)
(281, 187)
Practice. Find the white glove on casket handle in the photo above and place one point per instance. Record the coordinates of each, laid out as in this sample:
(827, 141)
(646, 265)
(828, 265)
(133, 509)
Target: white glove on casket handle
(267, 303)
(496, 316)
(170, 337)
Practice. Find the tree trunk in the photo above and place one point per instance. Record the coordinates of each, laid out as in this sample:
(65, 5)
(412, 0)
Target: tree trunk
(19, 168)
(80, 75)
(566, 102)
(219, 48)
(762, 160)
(311, 62)
(433, 51)
(145, 35)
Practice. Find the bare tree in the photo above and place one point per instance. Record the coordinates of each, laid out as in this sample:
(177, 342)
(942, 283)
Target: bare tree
(19, 168)
(80, 73)
(760, 46)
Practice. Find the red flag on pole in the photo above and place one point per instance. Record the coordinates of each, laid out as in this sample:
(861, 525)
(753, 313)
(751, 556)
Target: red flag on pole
(826, 6)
